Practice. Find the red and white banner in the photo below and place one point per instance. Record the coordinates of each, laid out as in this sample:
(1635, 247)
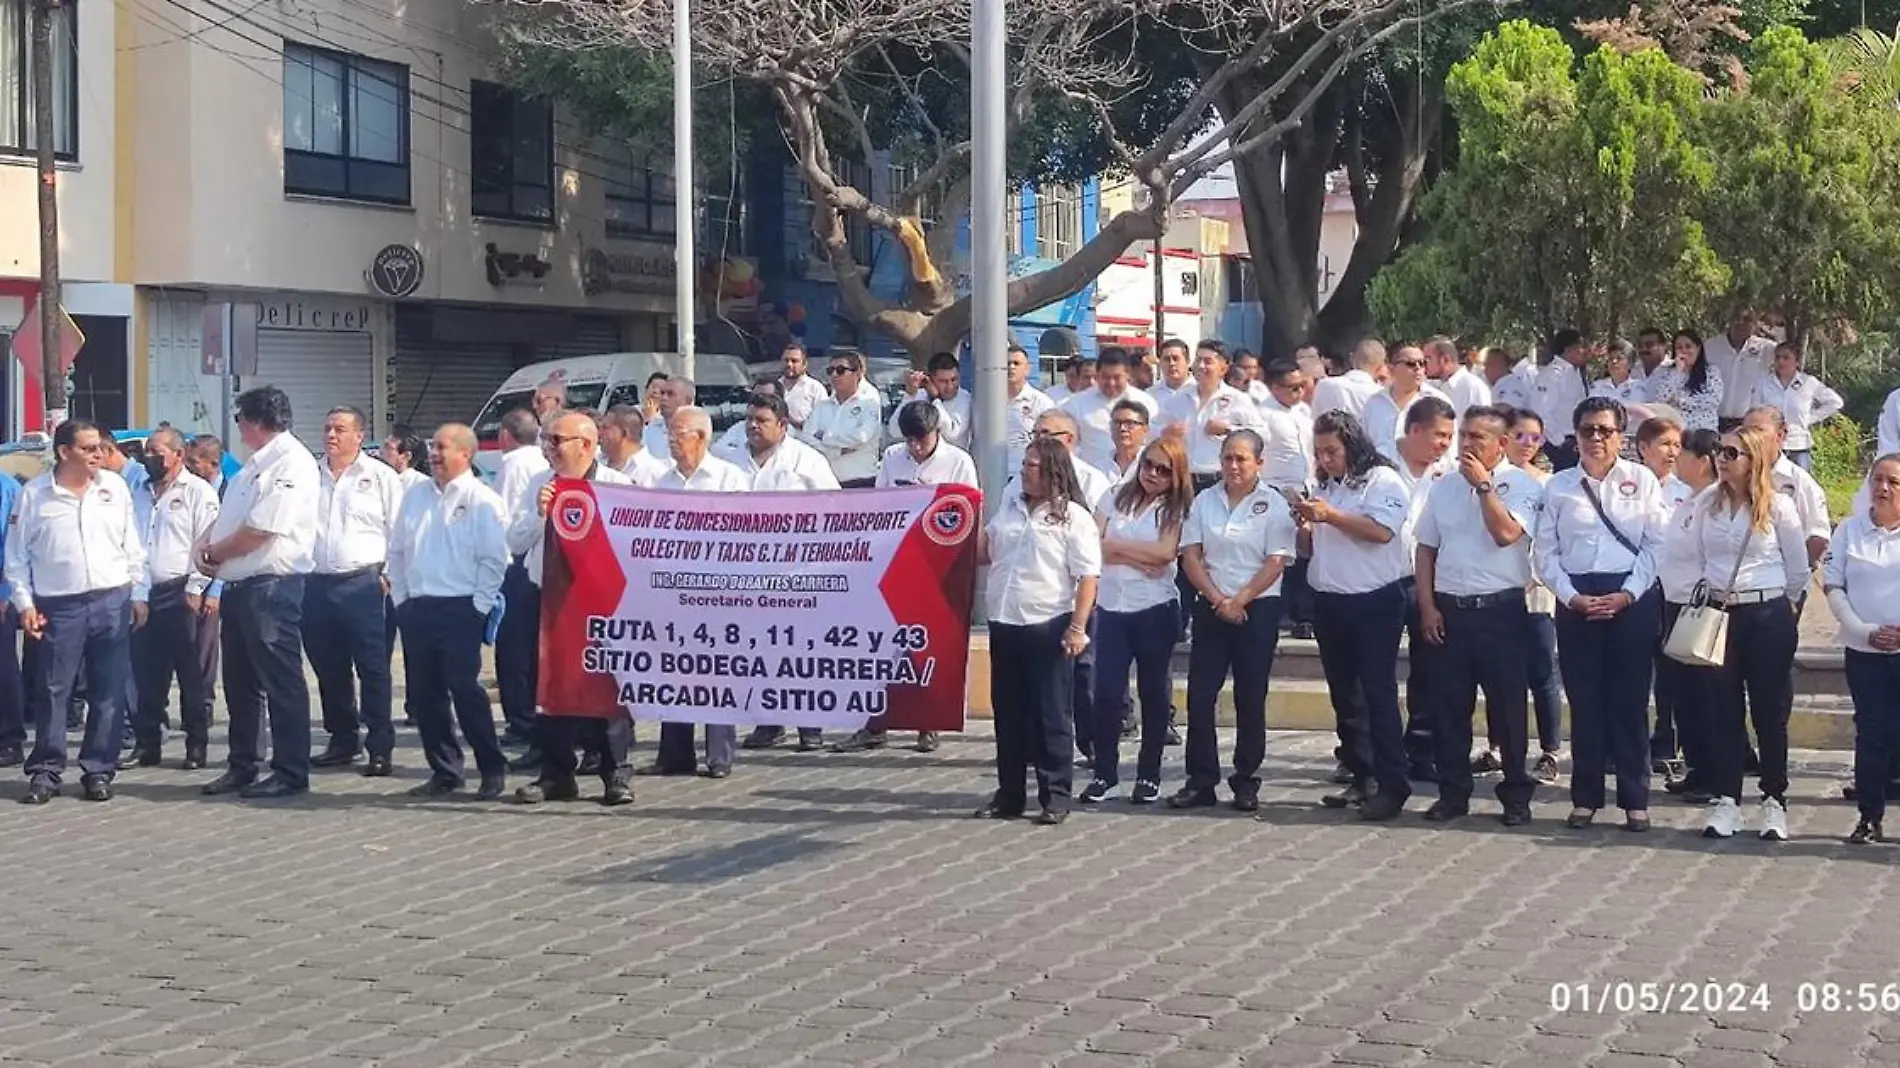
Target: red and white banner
(791, 609)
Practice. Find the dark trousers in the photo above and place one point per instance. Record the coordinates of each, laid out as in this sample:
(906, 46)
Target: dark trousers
(262, 643)
(1606, 670)
(90, 633)
(1358, 636)
(1421, 690)
(1082, 699)
(1145, 640)
(1563, 455)
(1874, 681)
(561, 736)
(167, 646)
(1688, 694)
(346, 637)
(12, 692)
(1485, 649)
(1297, 592)
(1244, 650)
(442, 664)
(206, 638)
(517, 649)
(1547, 696)
(1031, 687)
(1752, 686)
(857, 483)
(676, 746)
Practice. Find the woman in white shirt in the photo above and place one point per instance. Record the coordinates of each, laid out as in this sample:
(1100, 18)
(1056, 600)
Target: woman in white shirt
(1754, 558)
(1358, 561)
(1693, 386)
(1618, 385)
(1684, 713)
(1138, 619)
(1862, 578)
(1238, 542)
(1658, 443)
(1045, 557)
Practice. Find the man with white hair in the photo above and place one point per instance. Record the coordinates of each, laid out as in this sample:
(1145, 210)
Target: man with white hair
(1350, 392)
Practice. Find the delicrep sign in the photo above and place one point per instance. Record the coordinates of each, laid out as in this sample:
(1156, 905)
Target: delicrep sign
(794, 609)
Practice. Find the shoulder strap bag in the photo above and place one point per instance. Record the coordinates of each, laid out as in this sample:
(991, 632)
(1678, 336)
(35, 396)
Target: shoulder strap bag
(1621, 539)
(1700, 636)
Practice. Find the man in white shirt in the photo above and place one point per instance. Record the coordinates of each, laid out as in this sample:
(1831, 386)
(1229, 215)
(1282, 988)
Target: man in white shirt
(1177, 371)
(345, 618)
(1093, 481)
(518, 644)
(1350, 392)
(1090, 409)
(801, 391)
(1385, 415)
(773, 459)
(204, 457)
(1652, 355)
(1128, 421)
(1743, 357)
(1448, 371)
(175, 510)
(925, 457)
(1473, 566)
(1286, 464)
(263, 549)
(670, 395)
(1809, 499)
(448, 551)
(1202, 417)
(1078, 376)
(78, 574)
(1025, 405)
(939, 386)
(406, 454)
(1508, 388)
(1560, 387)
(1422, 460)
(1803, 400)
(622, 445)
(848, 425)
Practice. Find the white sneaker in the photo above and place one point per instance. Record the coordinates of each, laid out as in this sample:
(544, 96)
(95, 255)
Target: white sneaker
(1774, 820)
(1725, 818)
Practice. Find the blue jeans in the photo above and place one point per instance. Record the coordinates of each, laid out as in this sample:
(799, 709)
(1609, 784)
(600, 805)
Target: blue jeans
(1358, 636)
(1547, 697)
(90, 633)
(1145, 639)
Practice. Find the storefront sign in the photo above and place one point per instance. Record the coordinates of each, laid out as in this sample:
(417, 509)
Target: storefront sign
(626, 272)
(396, 271)
(312, 314)
(513, 268)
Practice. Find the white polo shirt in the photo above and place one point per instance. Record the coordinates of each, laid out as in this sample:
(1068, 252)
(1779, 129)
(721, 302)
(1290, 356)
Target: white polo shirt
(1417, 488)
(713, 475)
(1020, 414)
(1288, 433)
(802, 396)
(792, 465)
(1556, 391)
(63, 544)
(1466, 390)
(450, 541)
(1629, 391)
(1679, 557)
(1774, 560)
(953, 416)
(1037, 560)
(1188, 409)
(645, 467)
(1803, 401)
(1863, 561)
(948, 465)
(1237, 540)
(276, 492)
(1344, 564)
(1385, 419)
(518, 468)
(357, 514)
(1346, 393)
(1572, 540)
(173, 523)
(1126, 588)
(1470, 562)
(1741, 368)
(848, 433)
(1807, 496)
(1094, 442)
(528, 527)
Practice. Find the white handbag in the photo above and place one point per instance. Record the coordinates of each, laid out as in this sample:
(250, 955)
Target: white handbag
(1700, 636)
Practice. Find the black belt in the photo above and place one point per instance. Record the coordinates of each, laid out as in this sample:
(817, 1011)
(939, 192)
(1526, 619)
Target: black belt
(1481, 600)
(339, 576)
(169, 583)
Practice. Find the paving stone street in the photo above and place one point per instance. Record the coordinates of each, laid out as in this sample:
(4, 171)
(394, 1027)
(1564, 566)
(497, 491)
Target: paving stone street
(842, 909)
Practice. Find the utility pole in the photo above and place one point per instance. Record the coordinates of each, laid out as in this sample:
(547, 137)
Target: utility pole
(52, 376)
(684, 202)
(1160, 300)
(989, 256)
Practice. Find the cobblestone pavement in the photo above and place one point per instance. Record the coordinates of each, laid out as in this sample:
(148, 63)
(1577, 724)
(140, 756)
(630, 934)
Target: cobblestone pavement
(841, 909)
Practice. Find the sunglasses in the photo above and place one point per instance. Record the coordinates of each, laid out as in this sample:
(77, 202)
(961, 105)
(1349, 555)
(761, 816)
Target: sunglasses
(1728, 454)
(836, 371)
(1410, 363)
(558, 440)
(1059, 435)
(1129, 424)
(1528, 438)
(1149, 467)
(1597, 432)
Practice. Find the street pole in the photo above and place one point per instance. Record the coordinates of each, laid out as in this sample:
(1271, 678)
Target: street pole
(989, 262)
(52, 375)
(1160, 299)
(684, 201)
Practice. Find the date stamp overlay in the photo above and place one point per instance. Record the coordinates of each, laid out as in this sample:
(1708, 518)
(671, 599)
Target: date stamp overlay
(1710, 997)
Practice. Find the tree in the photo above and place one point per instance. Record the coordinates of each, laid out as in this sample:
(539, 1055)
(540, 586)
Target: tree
(849, 80)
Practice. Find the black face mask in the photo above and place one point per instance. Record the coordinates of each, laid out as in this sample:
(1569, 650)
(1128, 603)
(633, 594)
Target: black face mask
(154, 466)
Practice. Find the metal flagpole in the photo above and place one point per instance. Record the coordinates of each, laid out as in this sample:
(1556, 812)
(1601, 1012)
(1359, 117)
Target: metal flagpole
(684, 201)
(989, 264)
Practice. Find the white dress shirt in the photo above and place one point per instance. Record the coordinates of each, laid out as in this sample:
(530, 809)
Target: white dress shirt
(1058, 393)
(527, 528)
(276, 492)
(1807, 496)
(948, 465)
(1557, 390)
(1161, 391)
(791, 466)
(1741, 367)
(728, 446)
(1466, 390)
(713, 475)
(1345, 393)
(645, 467)
(1887, 428)
(953, 416)
(656, 439)
(1803, 401)
(1036, 561)
(1344, 564)
(802, 396)
(1863, 565)
(1126, 588)
(64, 544)
(519, 466)
(1237, 540)
(1288, 434)
(172, 525)
(1020, 414)
(848, 433)
(1629, 391)
(449, 541)
(1470, 562)
(1385, 418)
(1674, 492)
(1572, 540)
(1417, 488)
(1514, 391)
(410, 476)
(1094, 443)
(357, 514)
(1679, 557)
(1193, 413)
(1775, 560)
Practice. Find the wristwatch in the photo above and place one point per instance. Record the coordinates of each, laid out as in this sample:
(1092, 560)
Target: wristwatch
(1483, 487)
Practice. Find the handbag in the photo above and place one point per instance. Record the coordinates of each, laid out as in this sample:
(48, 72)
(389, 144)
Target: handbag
(1700, 636)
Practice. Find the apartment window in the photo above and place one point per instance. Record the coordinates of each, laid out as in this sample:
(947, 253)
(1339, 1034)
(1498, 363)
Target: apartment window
(1058, 222)
(1013, 225)
(16, 80)
(346, 126)
(511, 154)
(640, 200)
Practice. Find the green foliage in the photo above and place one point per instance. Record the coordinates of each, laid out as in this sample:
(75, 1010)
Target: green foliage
(1840, 448)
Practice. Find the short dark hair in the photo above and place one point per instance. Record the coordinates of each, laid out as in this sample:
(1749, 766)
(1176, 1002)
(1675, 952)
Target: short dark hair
(918, 420)
(1174, 343)
(1429, 410)
(1077, 363)
(790, 345)
(943, 361)
(1214, 345)
(265, 406)
(521, 425)
(1565, 339)
(1652, 331)
(1112, 356)
(770, 402)
(68, 433)
(1278, 370)
(657, 376)
(1126, 405)
(362, 421)
(1014, 347)
(1592, 405)
(848, 356)
(207, 443)
(1501, 413)
(1249, 438)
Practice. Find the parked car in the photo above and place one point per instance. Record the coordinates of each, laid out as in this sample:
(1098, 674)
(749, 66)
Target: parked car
(33, 454)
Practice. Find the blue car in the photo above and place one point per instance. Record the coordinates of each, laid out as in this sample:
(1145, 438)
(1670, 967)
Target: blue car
(30, 456)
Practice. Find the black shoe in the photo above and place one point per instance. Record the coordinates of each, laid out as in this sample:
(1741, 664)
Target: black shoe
(435, 788)
(1441, 812)
(1187, 797)
(1486, 763)
(1341, 776)
(810, 743)
(194, 758)
(1051, 817)
(11, 756)
(228, 783)
(1580, 819)
(1144, 793)
(860, 741)
(1866, 831)
(656, 768)
(493, 786)
(1849, 792)
(1516, 816)
(96, 788)
(763, 738)
(1545, 770)
(335, 757)
(721, 771)
(1302, 631)
(271, 789)
(379, 767)
(1173, 738)
(1636, 824)
(997, 810)
(139, 757)
(1246, 801)
(1381, 807)
(535, 792)
(1353, 796)
(1422, 771)
(617, 793)
(513, 735)
(38, 793)
(527, 761)
(927, 741)
(590, 763)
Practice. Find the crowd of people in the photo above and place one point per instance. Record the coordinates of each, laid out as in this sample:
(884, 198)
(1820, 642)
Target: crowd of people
(1531, 532)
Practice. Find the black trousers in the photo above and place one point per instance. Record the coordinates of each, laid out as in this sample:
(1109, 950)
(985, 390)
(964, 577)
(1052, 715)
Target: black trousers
(1485, 649)
(1358, 636)
(1689, 694)
(442, 662)
(561, 736)
(1031, 687)
(262, 639)
(1082, 697)
(346, 637)
(1297, 592)
(210, 627)
(1874, 681)
(1146, 640)
(1546, 680)
(87, 633)
(1244, 650)
(1753, 686)
(676, 746)
(165, 647)
(1421, 690)
(13, 708)
(1606, 666)
(517, 649)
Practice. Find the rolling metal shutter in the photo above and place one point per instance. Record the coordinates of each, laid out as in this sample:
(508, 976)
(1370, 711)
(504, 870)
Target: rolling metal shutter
(445, 381)
(593, 336)
(319, 371)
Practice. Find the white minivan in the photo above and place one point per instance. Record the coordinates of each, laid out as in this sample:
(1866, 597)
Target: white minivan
(602, 382)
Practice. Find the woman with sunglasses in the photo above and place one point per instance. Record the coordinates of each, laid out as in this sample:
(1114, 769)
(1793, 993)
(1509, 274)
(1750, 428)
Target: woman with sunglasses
(1596, 550)
(1754, 558)
(1862, 580)
(1237, 543)
(1044, 553)
(1139, 619)
(1692, 386)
